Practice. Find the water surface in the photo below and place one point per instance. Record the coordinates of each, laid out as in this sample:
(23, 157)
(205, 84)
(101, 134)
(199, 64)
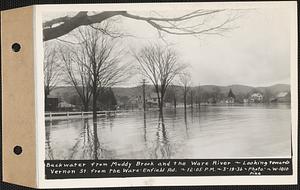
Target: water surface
(208, 132)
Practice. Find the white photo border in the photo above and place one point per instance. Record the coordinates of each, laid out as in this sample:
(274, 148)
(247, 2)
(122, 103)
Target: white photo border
(159, 181)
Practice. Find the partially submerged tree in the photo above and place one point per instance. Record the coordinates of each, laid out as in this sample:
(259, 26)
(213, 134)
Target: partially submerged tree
(196, 22)
(98, 58)
(185, 81)
(198, 95)
(160, 65)
(76, 75)
(192, 98)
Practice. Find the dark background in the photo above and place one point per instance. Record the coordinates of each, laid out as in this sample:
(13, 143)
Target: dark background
(9, 4)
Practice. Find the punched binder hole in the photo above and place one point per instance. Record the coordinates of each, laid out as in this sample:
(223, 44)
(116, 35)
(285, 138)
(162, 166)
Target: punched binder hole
(18, 150)
(16, 47)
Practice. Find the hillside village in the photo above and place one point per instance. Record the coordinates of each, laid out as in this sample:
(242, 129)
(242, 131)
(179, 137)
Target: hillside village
(66, 99)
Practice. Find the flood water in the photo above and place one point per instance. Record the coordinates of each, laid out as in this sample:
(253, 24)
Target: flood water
(208, 132)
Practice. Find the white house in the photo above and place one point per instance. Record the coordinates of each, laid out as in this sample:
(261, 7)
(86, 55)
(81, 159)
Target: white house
(256, 97)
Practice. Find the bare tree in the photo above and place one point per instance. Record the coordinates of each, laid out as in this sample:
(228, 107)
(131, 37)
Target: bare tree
(185, 80)
(160, 65)
(51, 68)
(192, 97)
(98, 58)
(193, 23)
(77, 76)
(198, 95)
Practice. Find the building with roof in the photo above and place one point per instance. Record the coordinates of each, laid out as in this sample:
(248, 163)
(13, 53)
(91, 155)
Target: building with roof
(256, 97)
(51, 103)
(230, 97)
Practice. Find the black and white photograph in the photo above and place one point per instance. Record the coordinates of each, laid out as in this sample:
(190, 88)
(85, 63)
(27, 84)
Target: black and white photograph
(177, 83)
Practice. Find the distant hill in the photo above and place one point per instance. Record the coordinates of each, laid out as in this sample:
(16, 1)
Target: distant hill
(237, 89)
(243, 89)
(124, 94)
(277, 88)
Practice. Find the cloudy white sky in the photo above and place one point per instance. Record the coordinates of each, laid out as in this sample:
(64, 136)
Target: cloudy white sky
(256, 53)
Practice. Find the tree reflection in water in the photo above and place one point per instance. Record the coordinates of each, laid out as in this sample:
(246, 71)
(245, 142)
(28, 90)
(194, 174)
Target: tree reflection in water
(88, 145)
(138, 135)
(163, 148)
(192, 115)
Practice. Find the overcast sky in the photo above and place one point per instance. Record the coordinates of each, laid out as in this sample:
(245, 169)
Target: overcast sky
(257, 53)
